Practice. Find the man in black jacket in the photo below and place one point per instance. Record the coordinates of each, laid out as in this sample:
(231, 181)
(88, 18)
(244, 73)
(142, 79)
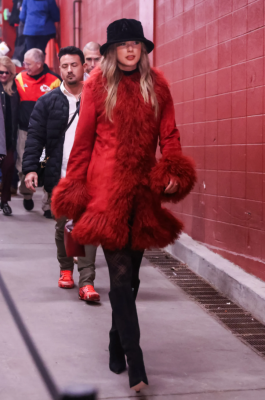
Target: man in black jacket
(52, 125)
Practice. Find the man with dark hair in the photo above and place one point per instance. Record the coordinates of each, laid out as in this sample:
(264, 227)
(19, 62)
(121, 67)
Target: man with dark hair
(52, 125)
(71, 50)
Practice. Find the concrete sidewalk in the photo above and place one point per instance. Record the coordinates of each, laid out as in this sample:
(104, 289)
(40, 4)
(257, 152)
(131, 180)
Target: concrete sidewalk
(188, 354)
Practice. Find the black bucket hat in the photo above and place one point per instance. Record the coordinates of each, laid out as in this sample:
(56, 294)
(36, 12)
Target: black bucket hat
(125, 30)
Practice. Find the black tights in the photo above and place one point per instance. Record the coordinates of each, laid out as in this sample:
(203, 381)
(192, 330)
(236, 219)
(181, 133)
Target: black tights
(124, 266)
(124, 335)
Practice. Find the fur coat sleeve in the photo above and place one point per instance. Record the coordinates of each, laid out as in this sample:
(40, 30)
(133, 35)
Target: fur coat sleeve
(70, 196)
(172, 164)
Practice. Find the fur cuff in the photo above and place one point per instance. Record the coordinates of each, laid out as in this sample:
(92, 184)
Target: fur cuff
(179, 167)
(69, 199)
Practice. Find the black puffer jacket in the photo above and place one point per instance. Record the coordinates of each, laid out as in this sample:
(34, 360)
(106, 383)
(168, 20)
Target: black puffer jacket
(47, 126)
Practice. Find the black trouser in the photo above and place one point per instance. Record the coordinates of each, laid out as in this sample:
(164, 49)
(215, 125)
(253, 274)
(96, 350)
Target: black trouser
(7, 167)
(38, 42)
(124, 268)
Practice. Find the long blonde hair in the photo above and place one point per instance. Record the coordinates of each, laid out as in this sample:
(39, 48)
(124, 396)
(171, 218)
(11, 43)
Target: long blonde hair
(111, 72)
(6, 62)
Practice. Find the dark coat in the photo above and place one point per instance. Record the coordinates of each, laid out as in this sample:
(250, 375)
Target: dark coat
(14, 102)
(47, 124)
(14, 17)
(2, 133)
(112, 175)
(39, 17)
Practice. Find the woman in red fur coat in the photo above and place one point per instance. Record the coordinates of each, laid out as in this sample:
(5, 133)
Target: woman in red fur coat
(114, 185)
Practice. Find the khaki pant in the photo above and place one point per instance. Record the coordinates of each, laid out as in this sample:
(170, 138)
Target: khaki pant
(23, 190)
(46, 201)
(86, 265)
(21, 140)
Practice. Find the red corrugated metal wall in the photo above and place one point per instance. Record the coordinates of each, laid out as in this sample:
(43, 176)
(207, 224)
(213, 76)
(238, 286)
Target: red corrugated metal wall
(212, 52)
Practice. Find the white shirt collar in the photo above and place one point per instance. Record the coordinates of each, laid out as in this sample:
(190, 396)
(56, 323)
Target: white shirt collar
(67, 94)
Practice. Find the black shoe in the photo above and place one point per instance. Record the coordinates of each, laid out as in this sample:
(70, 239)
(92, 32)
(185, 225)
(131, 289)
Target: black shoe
(48, 214)
(7, 210)
(125, 314)
(28, 204)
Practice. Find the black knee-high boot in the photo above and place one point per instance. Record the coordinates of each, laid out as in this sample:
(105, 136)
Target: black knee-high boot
(117, 363)
(135, 288)
(126, 320)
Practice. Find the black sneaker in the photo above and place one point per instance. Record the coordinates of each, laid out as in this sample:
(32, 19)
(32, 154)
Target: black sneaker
(28, 204)
(48, 214)
(7, 210)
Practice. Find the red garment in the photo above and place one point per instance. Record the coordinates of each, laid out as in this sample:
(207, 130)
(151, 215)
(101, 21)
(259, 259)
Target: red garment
(113, 179)
(31, 89)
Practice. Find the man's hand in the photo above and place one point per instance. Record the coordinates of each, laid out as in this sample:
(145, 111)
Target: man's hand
(172, 187)
(31, 181)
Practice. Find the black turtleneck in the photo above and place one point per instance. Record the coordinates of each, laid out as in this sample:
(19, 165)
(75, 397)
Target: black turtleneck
(128, 73)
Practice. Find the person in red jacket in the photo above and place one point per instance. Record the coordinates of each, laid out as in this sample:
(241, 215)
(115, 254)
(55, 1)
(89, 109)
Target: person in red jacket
(34, 82)
(114, 186)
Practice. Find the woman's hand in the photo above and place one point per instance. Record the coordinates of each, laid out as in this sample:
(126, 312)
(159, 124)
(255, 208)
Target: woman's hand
(1, 159)
(172, 187)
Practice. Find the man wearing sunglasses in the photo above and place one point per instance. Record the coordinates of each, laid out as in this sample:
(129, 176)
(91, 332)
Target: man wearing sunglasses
(32, 83)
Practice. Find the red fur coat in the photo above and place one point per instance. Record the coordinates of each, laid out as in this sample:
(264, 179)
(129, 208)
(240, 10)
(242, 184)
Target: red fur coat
(114, 184)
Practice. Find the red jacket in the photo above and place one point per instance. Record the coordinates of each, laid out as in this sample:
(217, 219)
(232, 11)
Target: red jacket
(31, 89)
(113, 177)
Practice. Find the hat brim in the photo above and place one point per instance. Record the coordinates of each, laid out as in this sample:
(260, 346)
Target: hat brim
(148, 44)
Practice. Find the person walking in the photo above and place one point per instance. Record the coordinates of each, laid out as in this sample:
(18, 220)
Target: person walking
(114, 187)
(53, 124)
(8, 129)
(39, 17)
(34, 82)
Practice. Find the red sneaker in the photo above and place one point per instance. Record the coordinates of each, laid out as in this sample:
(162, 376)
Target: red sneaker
(66, 279)
(88, 293)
